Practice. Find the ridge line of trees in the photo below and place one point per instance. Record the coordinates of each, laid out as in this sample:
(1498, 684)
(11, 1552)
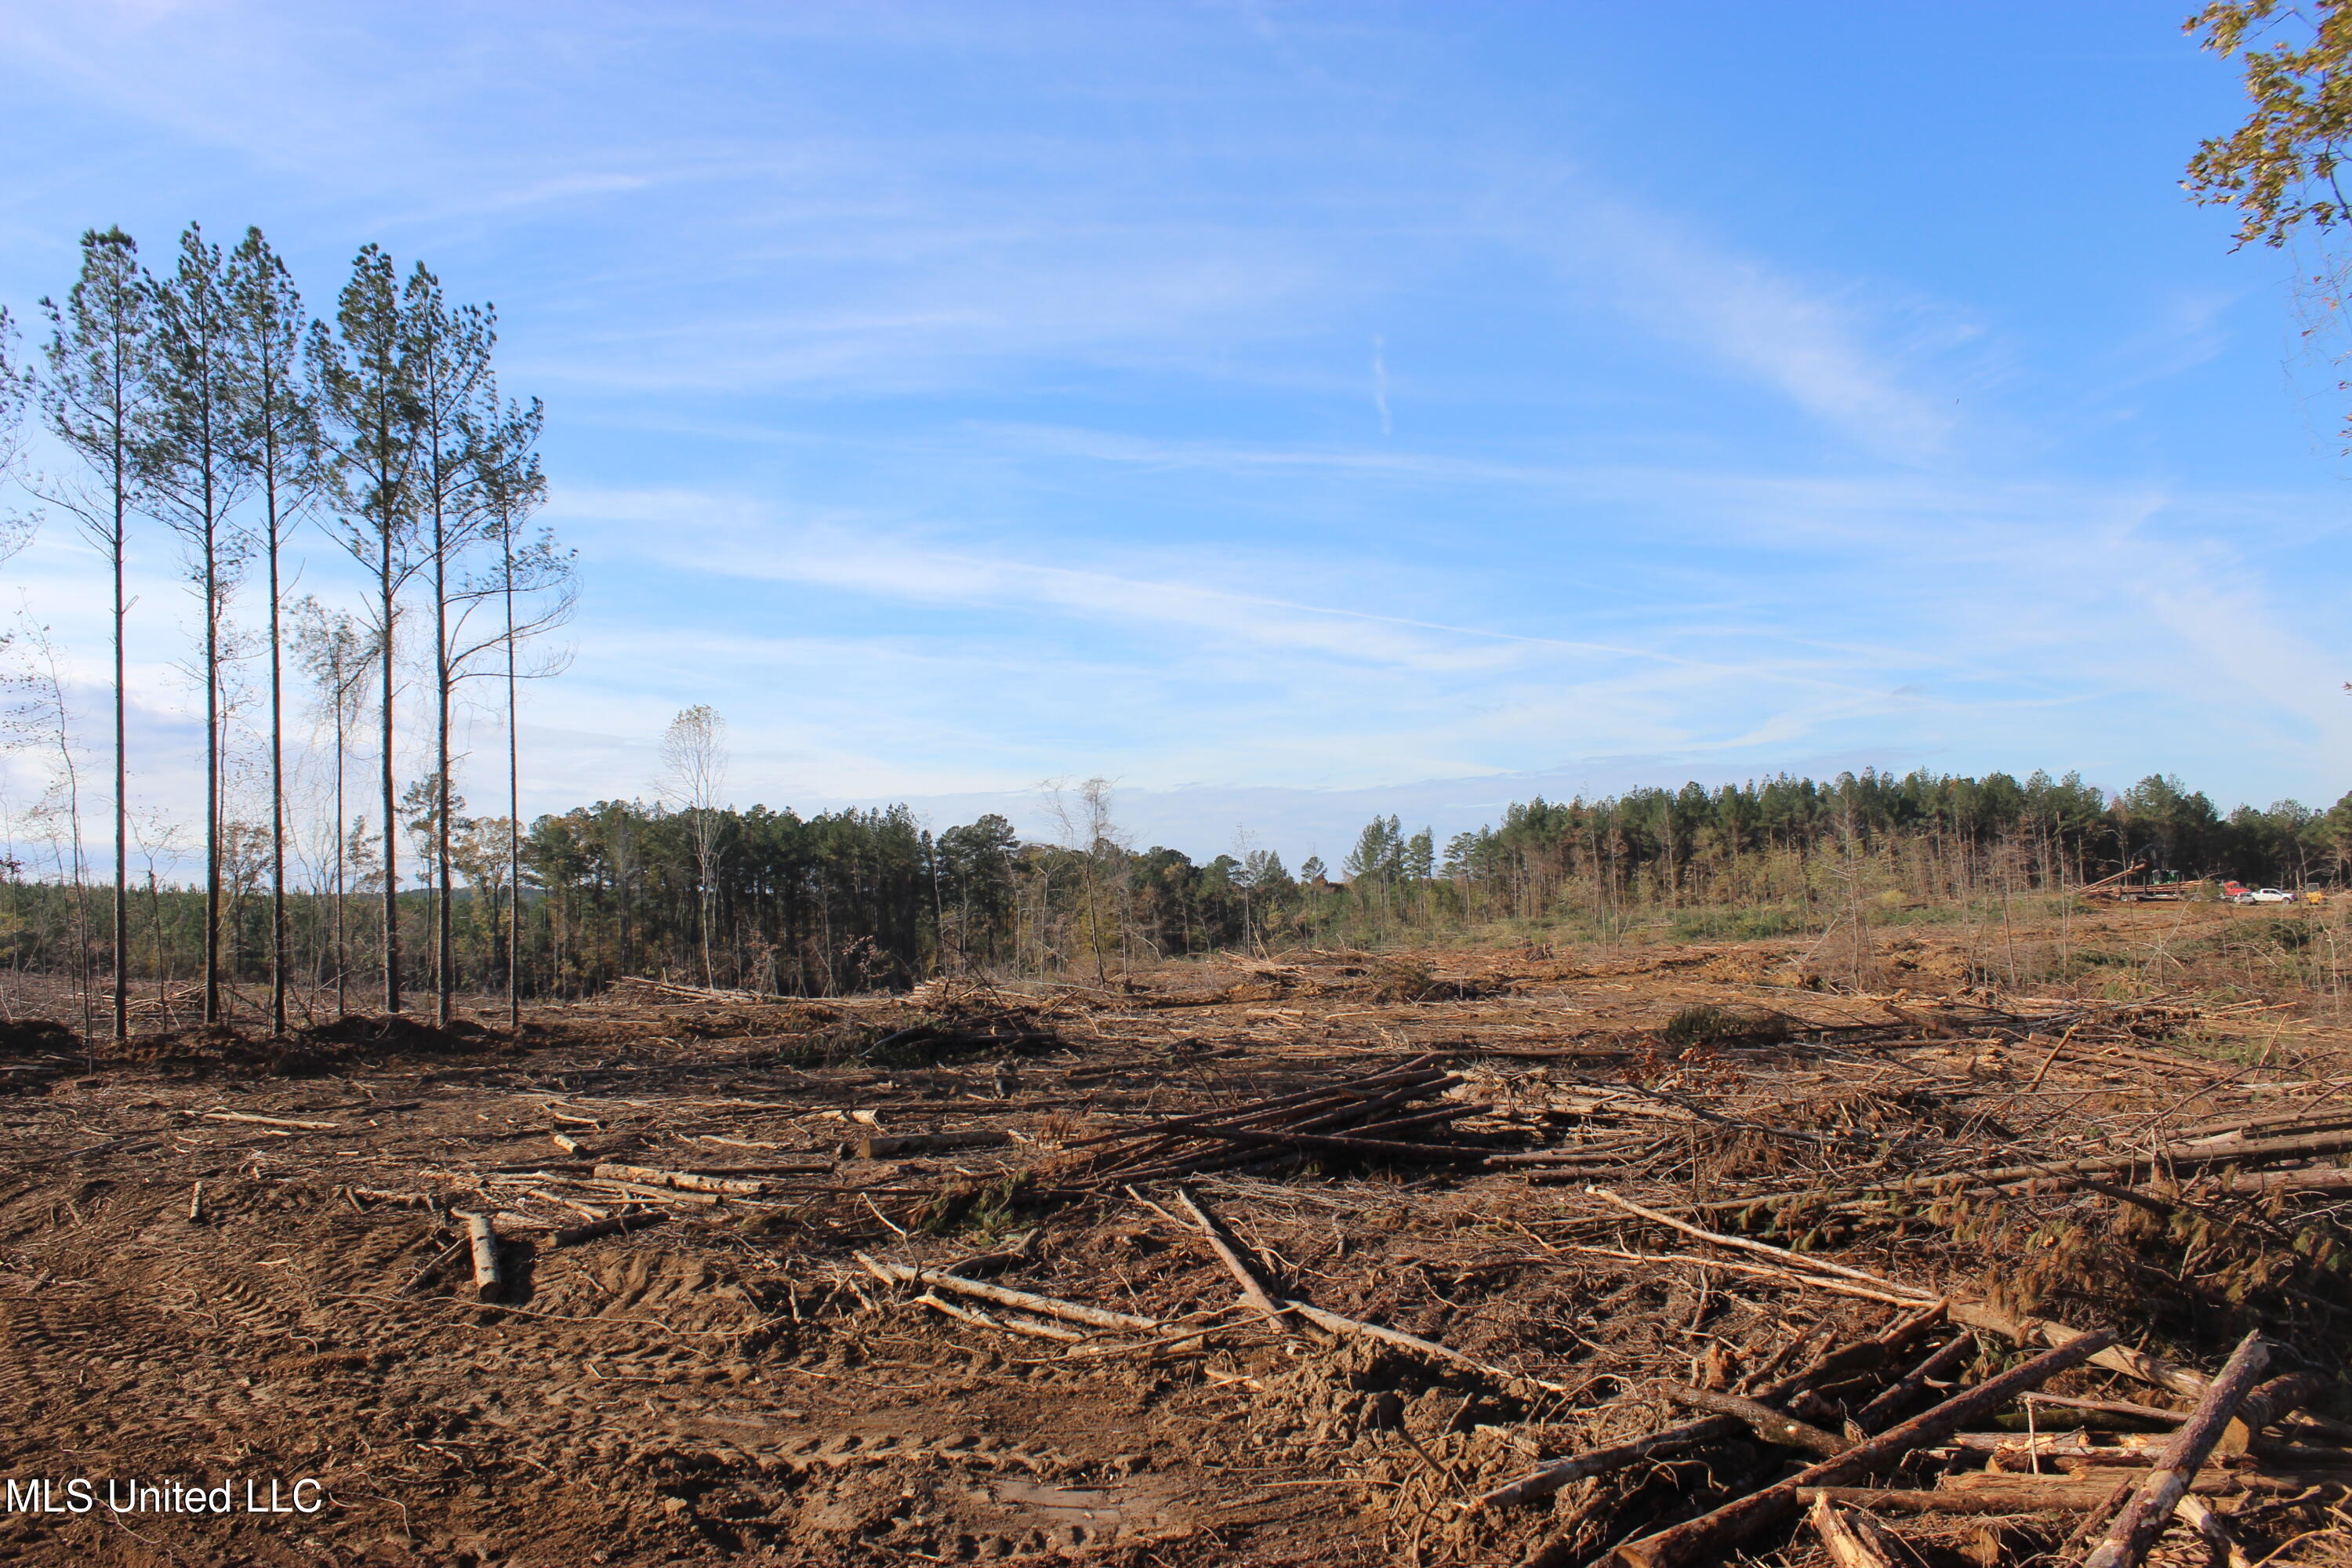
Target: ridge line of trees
(858, 900)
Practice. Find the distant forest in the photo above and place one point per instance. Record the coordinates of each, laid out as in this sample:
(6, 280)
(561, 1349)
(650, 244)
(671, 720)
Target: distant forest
(856, 901)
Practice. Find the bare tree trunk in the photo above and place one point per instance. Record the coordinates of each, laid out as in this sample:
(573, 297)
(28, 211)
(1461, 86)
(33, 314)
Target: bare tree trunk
(444, 973)
(514, 808)
(121, 780)
(390, 801)
(342, 963)
(277, 785)
(212, 767)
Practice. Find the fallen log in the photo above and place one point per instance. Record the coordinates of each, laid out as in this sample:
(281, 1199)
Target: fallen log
(2021, 1331)
(1228, 1251)
(1708, 1537)
(1549, 1478)
(1891, 1399)
(1353, 1328)
(2012, 1448)
(1851, 1542)
(682, 1181)
(1005, 1296)
(2112, 1407)
(484, 1240)
(1034, 1328)
(1787, 1259)
(2254, 1184)
(2016, 1494)
(1788, 1275)
(1421, 1069)
(2221, 1541)
(2154, 1371)
(2142, 1519)
(2269, 1402)
(1772, 1426)
(2176, 1157)
(662, 1194)
(248, 1116)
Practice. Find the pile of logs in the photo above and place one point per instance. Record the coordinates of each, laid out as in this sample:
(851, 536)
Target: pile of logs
(2240, 1435)
(1365, 1117)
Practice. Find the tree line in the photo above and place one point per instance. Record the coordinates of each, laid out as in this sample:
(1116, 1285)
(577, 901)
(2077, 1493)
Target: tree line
(687, 889)
(204, 401)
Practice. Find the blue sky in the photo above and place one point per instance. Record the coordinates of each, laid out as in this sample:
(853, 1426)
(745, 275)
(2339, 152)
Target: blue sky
(1288, 410)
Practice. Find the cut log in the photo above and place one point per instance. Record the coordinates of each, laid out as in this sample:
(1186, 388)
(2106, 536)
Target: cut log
(2015, 1494)
(1772, 1426)
(1851, 1542)
(2114, 1407)
(2015, 1450)
(1782, 1255)
(1421, 1069)
(1004, 1296)
(1229, 1253)
(2268, 1402)
(2143, 1518)
(2154, 1371)
(1895, 1396)
(1032, 1327)
(2197, 1514)
(248, 1118)
(1550, 1477)
(682, 1181)
(196, 1204)
(2252, 1183)
(1711, 1536)
(662, 1194)
(484, 1240)
(1543, 1482)
(1351, 1327)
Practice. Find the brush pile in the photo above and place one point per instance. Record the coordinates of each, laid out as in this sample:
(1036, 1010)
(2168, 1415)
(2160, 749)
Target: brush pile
(1364, 1118)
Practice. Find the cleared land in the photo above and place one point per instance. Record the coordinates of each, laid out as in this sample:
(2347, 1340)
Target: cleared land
(223, 1260)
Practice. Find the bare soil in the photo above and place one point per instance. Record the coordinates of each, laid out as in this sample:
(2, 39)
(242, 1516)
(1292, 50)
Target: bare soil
(226, 1260)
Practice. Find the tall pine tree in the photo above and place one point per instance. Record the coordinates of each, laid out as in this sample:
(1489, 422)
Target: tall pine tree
(368, 403)
(97, 402)
(197, 467)
(450, 349)
(537, 588)
(281, 446)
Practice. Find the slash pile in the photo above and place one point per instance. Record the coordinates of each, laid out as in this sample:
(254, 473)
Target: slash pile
(1364, 1117)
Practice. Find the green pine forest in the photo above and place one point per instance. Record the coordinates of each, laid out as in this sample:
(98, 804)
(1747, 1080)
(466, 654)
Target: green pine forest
(857, 900)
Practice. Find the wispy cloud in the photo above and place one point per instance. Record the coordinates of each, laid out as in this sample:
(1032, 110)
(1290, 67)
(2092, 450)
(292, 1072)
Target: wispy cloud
(1816, 342)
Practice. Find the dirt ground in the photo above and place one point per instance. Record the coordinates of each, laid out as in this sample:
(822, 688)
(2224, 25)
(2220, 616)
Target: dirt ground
(235, 1264)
